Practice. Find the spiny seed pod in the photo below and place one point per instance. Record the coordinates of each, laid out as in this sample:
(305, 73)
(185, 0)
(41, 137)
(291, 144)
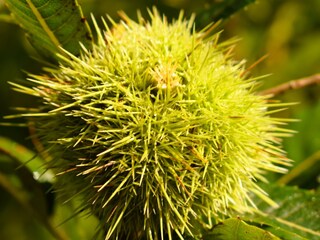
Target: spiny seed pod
(156, 128)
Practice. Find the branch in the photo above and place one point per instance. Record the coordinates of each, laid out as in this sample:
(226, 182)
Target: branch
(294, 84)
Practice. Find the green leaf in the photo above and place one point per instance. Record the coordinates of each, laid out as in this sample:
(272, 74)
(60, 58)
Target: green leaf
(298, 214)
(69, 221)
(304, 148)
(75, 222)
(52, 24)
(17, 167)
(220, 10)
(235, 228)
(6, 18)
(19, 183)
(22, 155)
(17, 223)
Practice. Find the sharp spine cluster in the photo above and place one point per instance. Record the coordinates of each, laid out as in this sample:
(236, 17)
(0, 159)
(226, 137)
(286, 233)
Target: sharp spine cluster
(156, 129)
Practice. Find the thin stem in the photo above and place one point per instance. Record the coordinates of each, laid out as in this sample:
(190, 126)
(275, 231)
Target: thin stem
(294, 84)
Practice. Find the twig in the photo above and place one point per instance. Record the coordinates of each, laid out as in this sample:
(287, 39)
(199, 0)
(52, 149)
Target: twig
(294, 84)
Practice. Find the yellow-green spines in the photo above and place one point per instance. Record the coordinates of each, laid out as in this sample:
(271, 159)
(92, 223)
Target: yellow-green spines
(156, 128)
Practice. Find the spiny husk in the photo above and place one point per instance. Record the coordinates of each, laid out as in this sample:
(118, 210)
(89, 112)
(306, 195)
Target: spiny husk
(156, 129)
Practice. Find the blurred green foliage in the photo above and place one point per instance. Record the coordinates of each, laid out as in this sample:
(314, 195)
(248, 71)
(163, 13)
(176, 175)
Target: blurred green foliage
(288, 31)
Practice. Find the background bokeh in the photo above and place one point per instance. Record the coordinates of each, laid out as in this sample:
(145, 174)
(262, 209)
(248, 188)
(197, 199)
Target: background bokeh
(288, 31)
